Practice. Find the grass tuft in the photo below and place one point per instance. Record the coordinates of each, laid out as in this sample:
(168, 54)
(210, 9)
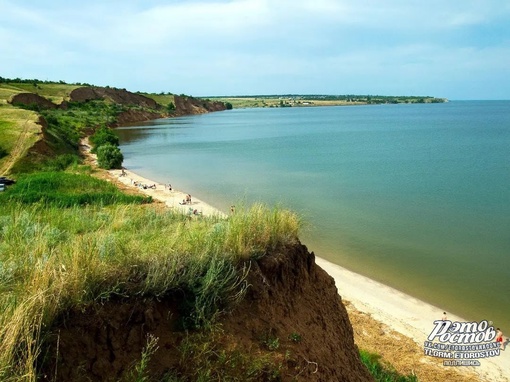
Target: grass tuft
(383, 373)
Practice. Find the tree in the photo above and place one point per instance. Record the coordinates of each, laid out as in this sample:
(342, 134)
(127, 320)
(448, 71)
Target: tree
(109, 156)
(103, 136)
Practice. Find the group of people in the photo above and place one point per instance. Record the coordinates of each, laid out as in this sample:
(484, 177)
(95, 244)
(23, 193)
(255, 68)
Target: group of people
(144, 186)
(187, 200)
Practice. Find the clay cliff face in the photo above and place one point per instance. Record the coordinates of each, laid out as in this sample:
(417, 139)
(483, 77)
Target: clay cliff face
(32, 99)
(145, 108)
(290, 295)
(185, 105)
(120, 96)
(290, 299)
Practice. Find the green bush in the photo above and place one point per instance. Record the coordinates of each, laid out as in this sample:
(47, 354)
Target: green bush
(102, 137)
(109, 156)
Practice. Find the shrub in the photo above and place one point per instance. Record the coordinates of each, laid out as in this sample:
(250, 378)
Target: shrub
(109, 156)
(102, 137)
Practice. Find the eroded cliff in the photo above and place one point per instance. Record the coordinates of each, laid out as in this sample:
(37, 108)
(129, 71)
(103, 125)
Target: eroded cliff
(291, 323)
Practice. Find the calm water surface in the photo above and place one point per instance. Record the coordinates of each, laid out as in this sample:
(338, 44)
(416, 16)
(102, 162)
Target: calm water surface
(415, 196)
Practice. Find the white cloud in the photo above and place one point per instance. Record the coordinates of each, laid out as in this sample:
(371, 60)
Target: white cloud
(238, 44)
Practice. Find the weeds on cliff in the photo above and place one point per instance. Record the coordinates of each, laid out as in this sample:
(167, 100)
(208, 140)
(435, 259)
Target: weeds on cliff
(210, 356)
(270, 341)
(295, 337)
(139, 373)
(383, 373)
(258, 229)
(53, 259)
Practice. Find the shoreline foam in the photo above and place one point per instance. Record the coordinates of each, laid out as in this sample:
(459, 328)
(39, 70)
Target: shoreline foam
(405, 314)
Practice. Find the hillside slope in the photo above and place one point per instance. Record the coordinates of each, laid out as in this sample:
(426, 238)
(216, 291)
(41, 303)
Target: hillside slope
(123, 107)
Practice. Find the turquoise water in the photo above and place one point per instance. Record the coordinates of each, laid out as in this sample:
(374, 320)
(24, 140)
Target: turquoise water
(414, 196)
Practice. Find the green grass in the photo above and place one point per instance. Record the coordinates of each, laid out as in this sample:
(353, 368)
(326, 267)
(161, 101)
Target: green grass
(55, 92)
(162, 99)
(383, 373)
(53, 259)
(65, 190)
(211, 356)
(18, 132)
(6, 92)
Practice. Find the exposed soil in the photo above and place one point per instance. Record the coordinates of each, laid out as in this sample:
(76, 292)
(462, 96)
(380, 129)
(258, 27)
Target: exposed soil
(188, 105)
(133, 116)
(119, 96)
(32, 99)
(289, 297)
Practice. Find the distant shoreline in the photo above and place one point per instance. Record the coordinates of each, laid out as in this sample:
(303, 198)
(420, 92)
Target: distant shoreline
(307, 100)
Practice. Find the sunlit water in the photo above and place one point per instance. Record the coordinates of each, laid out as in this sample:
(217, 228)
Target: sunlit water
(415, 196)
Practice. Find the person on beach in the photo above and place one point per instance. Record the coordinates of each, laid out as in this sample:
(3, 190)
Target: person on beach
(499, 338)
(232, 209)
(444, 318)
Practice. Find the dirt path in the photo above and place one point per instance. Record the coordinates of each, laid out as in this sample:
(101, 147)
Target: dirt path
(20, 147)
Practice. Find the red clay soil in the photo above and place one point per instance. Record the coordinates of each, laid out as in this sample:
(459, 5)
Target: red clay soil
(185, 105)
(290, 299)
(291, 295)
(119, 96)
(134, 116)
(32, 99)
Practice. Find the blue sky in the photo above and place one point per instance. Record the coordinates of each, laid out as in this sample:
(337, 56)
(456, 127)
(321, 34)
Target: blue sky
(453, 49)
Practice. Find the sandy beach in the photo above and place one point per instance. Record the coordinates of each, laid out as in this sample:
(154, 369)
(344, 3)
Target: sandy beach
(174, 199)
(406, 315)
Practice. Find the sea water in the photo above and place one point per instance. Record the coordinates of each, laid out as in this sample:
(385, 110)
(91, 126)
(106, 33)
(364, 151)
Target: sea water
(416, 196)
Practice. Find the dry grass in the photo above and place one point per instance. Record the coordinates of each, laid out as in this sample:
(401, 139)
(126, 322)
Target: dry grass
(55, 92)
(18, 132)
(54, 259)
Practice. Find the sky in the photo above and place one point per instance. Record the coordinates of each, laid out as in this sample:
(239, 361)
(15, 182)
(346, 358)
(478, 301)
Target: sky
(456, 49)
